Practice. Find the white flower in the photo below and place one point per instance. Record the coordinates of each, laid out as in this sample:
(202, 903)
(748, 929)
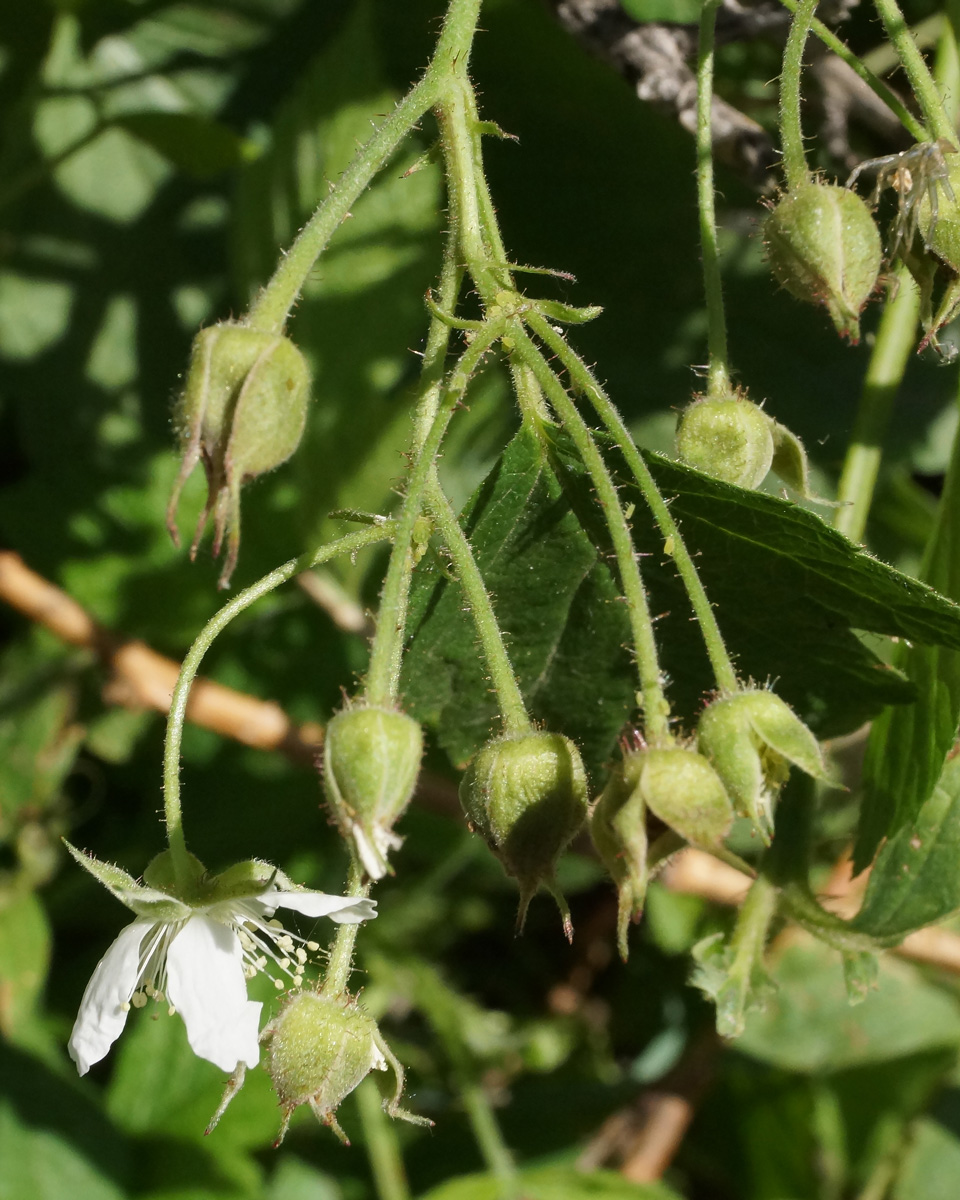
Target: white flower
(197, 953)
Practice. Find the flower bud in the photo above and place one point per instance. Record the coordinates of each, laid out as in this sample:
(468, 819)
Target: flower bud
(823, 247)
(242, 412)
(728, 438)
(680, 787)
(371, 760)
(618, 827)
(320, 1048)
(751, 738)
(526, 794)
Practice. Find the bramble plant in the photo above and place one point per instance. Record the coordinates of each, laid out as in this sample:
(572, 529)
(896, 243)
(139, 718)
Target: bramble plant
(658, 684)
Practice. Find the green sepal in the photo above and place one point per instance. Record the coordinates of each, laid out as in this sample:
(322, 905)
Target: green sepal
(248, 878)
(861, 971)
(734, 992)
(618, 827)
(684, 791)
(567, 314)
(143, 900)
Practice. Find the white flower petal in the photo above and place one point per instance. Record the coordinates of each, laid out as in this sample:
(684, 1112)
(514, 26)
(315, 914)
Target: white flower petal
(206, 985)
(350, 909)
(103, 1014)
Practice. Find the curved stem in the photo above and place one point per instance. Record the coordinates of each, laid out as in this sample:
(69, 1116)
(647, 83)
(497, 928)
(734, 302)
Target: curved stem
(895, 339)
(791, 130)
(873, 81)
(585, 382)
(173, 816)
(386, 653)
(509, 696)
(921, 80)
(718, 374)
(656, 710)
(272, 306)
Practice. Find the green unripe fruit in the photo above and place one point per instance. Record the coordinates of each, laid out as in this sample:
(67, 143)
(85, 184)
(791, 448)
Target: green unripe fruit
(683, 790)
(526, 794)
(371, 760)
(823, 247)
(618, 827)
(751, 738)
(320, 1049)
(728, 438)
(242, 412)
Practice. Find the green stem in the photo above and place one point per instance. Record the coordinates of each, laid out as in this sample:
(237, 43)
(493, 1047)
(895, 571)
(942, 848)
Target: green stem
(340, 964)
(585, 382)
(272, 306)
(876, 85)
(791, 131)
(753, 924)
(438, 340)
(383, 676)
(489, 1139)
(173, 816)
(896, 335)
(718, 374)
(382, 1144)
(921, 80)
(509, 696)
(656, 710)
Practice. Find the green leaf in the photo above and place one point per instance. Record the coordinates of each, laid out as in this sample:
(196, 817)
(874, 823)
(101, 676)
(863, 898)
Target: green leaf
(809, 1024)
(38, 1164)
(931, 1165)
(915, 879)
(789, 592)
(555, 601)
(553, 1183)
(24, 959)
(908, 747)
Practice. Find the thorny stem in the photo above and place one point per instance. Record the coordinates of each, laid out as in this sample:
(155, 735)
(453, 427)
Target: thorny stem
(921, 81)
(718, 374)
(895, 338)
(876, 85)
(173, 816)
(791, 130)
(509, 696)
(272, 307)
(656, 710)
(386, 653)
(585, 382)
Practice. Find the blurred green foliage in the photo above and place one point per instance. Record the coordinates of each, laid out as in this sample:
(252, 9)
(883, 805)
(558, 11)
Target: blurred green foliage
(155, 155)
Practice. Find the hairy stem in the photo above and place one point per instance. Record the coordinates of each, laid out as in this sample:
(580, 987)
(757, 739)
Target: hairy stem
(718, 374)
(386, 653)
(340, 964)
(585, 382)
(173, 816)
(272, 306)
(917, 131)
(791, 131)
(921, 80)
(509, 696)
(656, 710)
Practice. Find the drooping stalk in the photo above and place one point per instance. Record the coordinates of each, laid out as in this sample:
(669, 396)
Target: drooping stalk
(509, 696)
(921, 80)
(718, 373)
(791, 130)
(656, 710)
(173, 815)
(386, 653)
(273, 305)
(872, 80)
(586, 383)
